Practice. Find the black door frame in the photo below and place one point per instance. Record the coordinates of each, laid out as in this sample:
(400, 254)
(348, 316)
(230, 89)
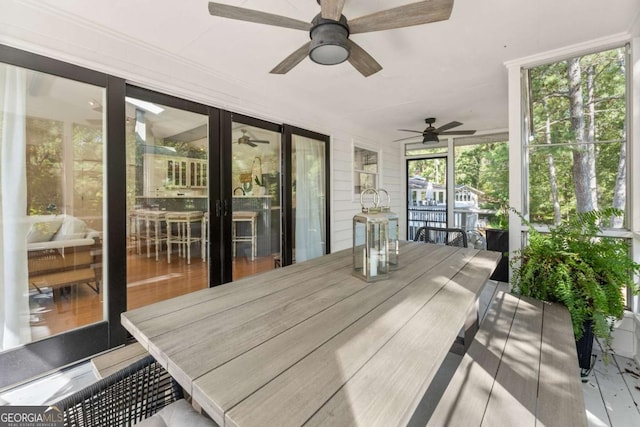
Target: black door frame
(38, 357)
(214, 157)
(227, 171)
(42, 356)
(287, 185)
(445, 157)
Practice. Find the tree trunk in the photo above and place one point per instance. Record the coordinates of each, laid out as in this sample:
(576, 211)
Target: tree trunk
(591, 135)
(583, 154)
(620, 188)
(553, 180)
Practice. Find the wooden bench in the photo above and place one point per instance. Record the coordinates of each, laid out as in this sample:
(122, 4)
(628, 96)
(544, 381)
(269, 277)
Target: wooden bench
(49, 269)
(65, 278)
(117, 359)
(520, 370)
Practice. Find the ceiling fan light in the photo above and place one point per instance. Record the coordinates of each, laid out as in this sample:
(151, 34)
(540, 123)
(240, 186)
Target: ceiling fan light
(430, 138)
(329, 44)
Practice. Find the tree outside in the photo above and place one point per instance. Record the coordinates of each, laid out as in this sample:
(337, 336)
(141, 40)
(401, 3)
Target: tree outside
(577, 147)
(483, 167)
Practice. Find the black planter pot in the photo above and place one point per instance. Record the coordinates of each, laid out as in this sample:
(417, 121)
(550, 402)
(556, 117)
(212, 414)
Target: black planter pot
(585, 346)
(498, 240)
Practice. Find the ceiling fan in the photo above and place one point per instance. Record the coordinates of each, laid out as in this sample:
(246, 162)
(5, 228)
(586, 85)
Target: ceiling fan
(430, 134)
(330, 30)
(244, 139)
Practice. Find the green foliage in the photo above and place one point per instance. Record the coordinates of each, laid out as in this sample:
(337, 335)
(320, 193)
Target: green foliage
(575, 266)
(603, 83)
(185, 149)
(485, 167)
(501, 219)
(44, 165)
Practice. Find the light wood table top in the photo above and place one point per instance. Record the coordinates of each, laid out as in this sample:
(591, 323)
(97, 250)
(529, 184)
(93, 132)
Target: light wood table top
(311, 344)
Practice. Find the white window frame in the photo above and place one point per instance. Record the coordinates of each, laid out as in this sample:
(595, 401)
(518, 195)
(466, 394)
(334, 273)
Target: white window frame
(355, 181)
(518, 131)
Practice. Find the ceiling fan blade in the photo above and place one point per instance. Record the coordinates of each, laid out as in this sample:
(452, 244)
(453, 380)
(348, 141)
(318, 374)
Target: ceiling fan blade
(418, 13)
(332, 9)
(448, 126)
(410, 130)
(362, 61)
(242, 14)
(409, 137)
(259, 141)
(292, 60)
(251, 144)
(458, 132)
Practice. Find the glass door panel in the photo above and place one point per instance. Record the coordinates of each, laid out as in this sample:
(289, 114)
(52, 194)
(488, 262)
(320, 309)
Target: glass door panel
(482, 192)
(256, 207)
(167, 202)
(308, 197)
(427, 194)
(51, 205)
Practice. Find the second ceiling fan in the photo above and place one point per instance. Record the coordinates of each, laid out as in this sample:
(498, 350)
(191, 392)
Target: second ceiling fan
(330, 30)
(430, 134)
(245, 139)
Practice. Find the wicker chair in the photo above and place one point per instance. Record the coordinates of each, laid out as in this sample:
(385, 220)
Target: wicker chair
(442, 236)
(123, 398)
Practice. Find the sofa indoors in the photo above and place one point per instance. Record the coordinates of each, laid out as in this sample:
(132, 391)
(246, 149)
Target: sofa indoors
(62, 251)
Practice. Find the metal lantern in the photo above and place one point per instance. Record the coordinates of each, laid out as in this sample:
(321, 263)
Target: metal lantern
(370, 241)
(394, 231)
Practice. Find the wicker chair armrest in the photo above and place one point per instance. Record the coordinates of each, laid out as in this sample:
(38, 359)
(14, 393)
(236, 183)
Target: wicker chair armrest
(123, 398)
(447, 236)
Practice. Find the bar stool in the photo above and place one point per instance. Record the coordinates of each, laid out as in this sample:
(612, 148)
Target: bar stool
(179, 232)
(133, 230)
(154, 233)
(205, 236)
(250, 217)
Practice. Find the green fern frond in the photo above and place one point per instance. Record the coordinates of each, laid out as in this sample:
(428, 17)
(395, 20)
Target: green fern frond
(573, 265)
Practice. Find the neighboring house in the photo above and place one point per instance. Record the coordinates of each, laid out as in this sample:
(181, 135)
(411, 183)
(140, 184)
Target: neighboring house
(428, 204)
(426, 193)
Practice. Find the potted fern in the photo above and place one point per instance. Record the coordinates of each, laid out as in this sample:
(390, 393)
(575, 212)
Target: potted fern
(575, 266)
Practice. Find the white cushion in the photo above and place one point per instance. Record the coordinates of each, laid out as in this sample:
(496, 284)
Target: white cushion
(180, 413)
(60, 244)
(72, 228)
(43, 229)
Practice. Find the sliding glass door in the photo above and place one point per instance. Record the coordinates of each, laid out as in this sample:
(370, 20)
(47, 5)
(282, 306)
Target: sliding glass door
(53, 145)
(427, 193)
(176, 209)
(309, 197)
(51, 203)
(256, 203)
(167, 197)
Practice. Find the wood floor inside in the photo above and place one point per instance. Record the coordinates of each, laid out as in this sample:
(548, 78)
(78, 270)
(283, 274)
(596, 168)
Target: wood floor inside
(148, 281)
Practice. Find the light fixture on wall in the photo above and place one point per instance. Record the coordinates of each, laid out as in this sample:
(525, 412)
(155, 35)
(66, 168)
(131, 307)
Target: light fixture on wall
(329, 44)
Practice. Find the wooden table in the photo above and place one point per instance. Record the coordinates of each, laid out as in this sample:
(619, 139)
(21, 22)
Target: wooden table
(311, 344)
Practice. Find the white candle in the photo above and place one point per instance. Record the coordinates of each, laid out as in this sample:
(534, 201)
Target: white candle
(374, 263)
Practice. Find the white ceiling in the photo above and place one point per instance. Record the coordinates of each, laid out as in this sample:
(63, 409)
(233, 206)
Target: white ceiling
(451, 70)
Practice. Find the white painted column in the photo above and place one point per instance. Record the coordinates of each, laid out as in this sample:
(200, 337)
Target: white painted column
(634, 158)
(517, 192)
(451, 184)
